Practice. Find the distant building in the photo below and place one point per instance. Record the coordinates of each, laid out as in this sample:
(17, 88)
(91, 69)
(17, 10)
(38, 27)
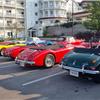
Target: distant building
(29, 17)
(12, 17)
(82, 15)
(41, 13)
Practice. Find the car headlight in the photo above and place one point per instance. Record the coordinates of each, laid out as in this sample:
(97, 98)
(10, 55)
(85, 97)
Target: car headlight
(94, 61)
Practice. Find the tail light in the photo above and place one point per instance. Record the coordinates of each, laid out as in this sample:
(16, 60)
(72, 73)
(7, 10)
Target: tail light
(92, 68)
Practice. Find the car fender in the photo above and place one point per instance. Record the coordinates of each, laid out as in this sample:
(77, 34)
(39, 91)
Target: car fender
(39, 59)
(15, 52)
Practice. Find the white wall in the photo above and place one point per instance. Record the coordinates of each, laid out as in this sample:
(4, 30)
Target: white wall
(31, 18)
(76, 6)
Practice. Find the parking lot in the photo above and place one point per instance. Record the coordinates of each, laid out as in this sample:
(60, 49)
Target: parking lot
(17, 83)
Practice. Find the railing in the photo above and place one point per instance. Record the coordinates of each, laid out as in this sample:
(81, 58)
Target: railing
(0, 3)
(9, 15)
(9, 4)
(19, 16)
(1, 25)
(20, 6)
(21, 26)
(1, 14)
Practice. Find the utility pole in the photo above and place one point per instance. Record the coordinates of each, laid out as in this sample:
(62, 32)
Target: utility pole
(25, 20)
(72, 18)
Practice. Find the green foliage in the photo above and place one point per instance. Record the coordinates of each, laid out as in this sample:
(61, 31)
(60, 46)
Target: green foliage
(45, 32)
(1, 39)
(93, 21)
(69, 24)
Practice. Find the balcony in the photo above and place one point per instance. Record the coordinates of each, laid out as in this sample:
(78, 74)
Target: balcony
(1, 25)
(1, 14)
(10, 15)
(20, 6)
(11, 5)
(21, 26)
(0, 3)
(20, 16)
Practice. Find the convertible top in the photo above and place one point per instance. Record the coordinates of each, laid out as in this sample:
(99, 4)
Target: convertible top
(52, 47)
(87, 50)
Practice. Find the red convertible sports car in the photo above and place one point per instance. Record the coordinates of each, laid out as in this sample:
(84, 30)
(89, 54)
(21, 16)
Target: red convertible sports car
(43, 56)
(14, 51)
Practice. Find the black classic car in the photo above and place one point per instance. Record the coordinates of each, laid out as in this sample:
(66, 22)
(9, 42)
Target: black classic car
(83, 62)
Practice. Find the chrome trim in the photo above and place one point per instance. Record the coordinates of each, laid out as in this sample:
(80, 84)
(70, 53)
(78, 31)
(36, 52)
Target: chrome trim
(80, 70)
(24, 61)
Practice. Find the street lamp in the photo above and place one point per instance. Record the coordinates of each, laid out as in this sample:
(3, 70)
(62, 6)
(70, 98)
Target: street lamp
(25, 18)
(72, 17)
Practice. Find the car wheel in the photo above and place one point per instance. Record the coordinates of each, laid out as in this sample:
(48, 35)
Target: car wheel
(96, 79)
(1, 51)
(49, 61)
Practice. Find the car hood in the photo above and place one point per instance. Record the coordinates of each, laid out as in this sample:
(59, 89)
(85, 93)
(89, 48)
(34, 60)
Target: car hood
(79, 59)
(26, 54)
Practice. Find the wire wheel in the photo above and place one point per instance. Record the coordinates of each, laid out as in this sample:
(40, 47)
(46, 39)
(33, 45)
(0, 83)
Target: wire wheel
(49, 61)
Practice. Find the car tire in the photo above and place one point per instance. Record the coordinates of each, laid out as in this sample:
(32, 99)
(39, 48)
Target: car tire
(96, 79)
(49, 61)
(1, 51)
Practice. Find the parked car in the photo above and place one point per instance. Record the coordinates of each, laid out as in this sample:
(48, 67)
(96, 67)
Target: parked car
(83, 62)
(35, 40)
(69, 40)
(44, 56)
(9, 44)
(14, 51)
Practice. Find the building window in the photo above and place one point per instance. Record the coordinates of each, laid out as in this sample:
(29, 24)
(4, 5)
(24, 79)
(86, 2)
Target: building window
(51, 12)
(36, 22)
(57, 3)
(40, 22)
(22, 3)
(36, 13)
(46, 13)
(41, 13)
(9, 22)
(51, 21)
(22, 13)
(36, 4)
(8, 1)
(8, 12)
(45, 4)
(51, 3)
(40, 4)
(22, 22)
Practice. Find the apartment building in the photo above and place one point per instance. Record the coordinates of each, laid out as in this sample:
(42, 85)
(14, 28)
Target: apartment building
(41, 13)
(12, 17)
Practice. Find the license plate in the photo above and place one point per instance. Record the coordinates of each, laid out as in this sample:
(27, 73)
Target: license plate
(22, 64)
(74, 73)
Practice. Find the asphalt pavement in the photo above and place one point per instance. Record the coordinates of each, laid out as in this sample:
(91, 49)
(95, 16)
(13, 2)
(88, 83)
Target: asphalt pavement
(17, 83)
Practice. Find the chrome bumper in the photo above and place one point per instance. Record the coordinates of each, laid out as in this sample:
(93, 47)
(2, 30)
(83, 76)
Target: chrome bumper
(84, 71)
(17, 61)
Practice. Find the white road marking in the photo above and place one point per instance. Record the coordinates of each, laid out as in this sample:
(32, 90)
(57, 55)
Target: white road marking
(8, 66)
(2, 77)
(43, 78)
(4, 63)
(1, 57)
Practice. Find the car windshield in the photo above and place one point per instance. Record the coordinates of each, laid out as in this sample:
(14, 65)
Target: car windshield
(87, 50)
(52, 47)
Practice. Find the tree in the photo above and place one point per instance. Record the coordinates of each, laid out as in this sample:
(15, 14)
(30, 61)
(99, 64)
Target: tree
(17, 27)
(45, 32)
(93, 21)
